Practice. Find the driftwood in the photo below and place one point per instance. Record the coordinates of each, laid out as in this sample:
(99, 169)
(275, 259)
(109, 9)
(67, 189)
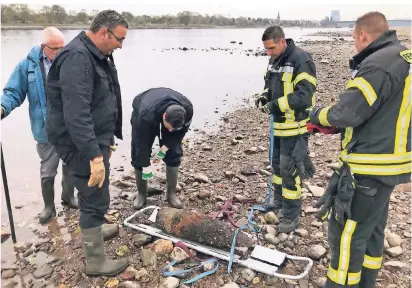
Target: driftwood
(191, 225)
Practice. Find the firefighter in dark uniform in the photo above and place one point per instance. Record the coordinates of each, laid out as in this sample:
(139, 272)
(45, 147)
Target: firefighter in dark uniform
(290, 84)
(167, 114)
(374, 114)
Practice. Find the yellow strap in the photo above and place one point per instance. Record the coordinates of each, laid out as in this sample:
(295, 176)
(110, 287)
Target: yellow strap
(380, 170)
(357, 158)
(305, 76)
(372, 262)
(365, 87)
(404, 118)
(292, 132)
(287, 126)
(323, 116)
(290, 194)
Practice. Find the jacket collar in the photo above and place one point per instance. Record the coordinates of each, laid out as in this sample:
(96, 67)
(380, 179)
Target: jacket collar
(387, 38)
(35, 54)
(90, 45)
(289, 49)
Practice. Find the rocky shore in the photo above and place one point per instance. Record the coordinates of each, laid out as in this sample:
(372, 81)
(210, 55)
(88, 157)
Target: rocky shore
(232, 161)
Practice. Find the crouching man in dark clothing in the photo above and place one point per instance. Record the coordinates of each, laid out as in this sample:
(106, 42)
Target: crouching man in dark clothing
(167, 114)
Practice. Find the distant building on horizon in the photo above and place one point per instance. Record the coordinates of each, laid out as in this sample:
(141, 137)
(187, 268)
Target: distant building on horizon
(335, 16)
(278, 18)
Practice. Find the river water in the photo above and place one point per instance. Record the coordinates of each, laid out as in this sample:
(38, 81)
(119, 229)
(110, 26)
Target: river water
(215, 81)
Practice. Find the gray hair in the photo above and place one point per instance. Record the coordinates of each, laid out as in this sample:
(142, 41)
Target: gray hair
(50, 32)
(109, 19)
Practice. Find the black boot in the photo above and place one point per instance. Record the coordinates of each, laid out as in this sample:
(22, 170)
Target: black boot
(171, 182)
(68, 198)
(288, 225)
(141, 184)
(49, 211)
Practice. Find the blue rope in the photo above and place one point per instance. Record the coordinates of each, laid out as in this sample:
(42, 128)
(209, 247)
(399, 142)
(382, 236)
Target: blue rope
(272, 136)
(166, 272)
(252, 225)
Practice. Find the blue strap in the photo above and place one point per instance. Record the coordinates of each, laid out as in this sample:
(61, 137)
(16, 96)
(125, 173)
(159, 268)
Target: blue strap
(252, 225)
(269, 193)
(166, 272)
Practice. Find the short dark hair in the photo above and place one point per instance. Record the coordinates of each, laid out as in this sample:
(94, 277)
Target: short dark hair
(373, 22)
(274, 33)
(176, 116)
(109, 19)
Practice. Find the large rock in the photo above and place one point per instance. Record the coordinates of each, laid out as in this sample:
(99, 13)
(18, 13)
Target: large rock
(316, 191)
(394, 251)
(170, 282)
(394, 240)
(396, 266)
(149, 258)
(270, 218)
(8, 274)
(178, 254)
(316, 252)
(162, 247)
(42, 271)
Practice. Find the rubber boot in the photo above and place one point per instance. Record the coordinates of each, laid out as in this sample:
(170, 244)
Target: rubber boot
(68, 198)
(274, 205)
(171, 182)
(49, 211)
(97, 264)
(141, 184)
(288, 225)
(110, 231)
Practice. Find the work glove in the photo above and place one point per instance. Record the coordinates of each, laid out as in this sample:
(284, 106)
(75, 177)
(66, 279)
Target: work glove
(261, 100)
(97, 172)
(147, 173)
(315, 128)
(159, 153)
(344, 196)
(327, 199)
(301, 159)
(269, 107)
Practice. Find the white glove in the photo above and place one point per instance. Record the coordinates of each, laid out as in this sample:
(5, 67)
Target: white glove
(147, 173)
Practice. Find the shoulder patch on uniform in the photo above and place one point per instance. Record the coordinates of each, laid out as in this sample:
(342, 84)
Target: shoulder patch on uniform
(407, 55)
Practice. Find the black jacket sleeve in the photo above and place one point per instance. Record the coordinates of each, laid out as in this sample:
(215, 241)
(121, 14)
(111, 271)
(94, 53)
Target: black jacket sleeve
(304, 89)
(76, 83)
(358, 102)
(146, 135)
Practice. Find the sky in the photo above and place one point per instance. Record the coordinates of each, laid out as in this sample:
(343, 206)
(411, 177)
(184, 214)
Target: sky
(289, 10)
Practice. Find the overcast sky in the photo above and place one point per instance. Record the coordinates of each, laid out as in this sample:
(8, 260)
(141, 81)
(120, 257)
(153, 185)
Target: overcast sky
(289, 9)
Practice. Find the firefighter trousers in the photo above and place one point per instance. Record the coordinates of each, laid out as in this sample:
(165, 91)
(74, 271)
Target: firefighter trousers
(287, 189)
(357, 247)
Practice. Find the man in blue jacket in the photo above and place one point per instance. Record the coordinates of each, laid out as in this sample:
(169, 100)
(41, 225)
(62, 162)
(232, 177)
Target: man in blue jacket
(29, 78)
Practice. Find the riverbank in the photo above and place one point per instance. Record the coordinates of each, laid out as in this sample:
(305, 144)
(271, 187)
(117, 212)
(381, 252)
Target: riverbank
(234, 160)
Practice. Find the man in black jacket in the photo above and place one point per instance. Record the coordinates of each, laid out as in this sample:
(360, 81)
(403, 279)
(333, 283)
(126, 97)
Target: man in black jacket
(84, 113)
(167, 114)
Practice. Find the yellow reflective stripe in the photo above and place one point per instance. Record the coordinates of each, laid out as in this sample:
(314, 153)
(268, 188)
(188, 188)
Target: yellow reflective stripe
(286, 126)
(325, 216)
(348, 137)
(404, 118)
(333, 275)
(323, 116)
(287, 89)
(354, 278)
(344, 255)
(266, 90)
(390, 159)
(276, 180)
(290, 194)
(287, 77)
(293, 132)
(383, 170)
(407, 55)
(372, 262)
(365, 87)
(283, 104)
(305, 76)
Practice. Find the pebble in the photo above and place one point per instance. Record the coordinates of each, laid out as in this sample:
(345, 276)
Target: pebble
(320, 282)
(316, 224)
(149, 258)
(394, 240)
(170, 282)
(283, 237)
(396, 266)
(302, 232)
(248, 274)
(42, 271)
(141, 239)
(394, 251)
(231, 285)
(272, 239)
(8, 274)
(142, 276)
(271, 218)
(178, 254)
(316, 190)
(162, 247)
(128, 284)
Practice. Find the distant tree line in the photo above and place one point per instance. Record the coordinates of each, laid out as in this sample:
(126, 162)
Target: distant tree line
(21, 14)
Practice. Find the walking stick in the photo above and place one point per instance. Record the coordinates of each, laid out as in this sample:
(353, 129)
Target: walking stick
(6, 193)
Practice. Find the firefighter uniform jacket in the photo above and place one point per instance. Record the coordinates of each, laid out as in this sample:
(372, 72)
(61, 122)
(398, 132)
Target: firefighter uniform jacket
(375, 112)
(290, 81)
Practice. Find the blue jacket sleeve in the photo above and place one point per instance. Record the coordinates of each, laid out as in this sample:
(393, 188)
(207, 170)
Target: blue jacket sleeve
(16, 88)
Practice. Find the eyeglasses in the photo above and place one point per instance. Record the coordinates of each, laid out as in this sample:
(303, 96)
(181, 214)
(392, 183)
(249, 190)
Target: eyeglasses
(120, 40)
(53, 49)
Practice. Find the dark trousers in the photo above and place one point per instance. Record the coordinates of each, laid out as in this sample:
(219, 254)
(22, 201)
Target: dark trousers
(357, 247)
(93, 201)
(287, 189)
